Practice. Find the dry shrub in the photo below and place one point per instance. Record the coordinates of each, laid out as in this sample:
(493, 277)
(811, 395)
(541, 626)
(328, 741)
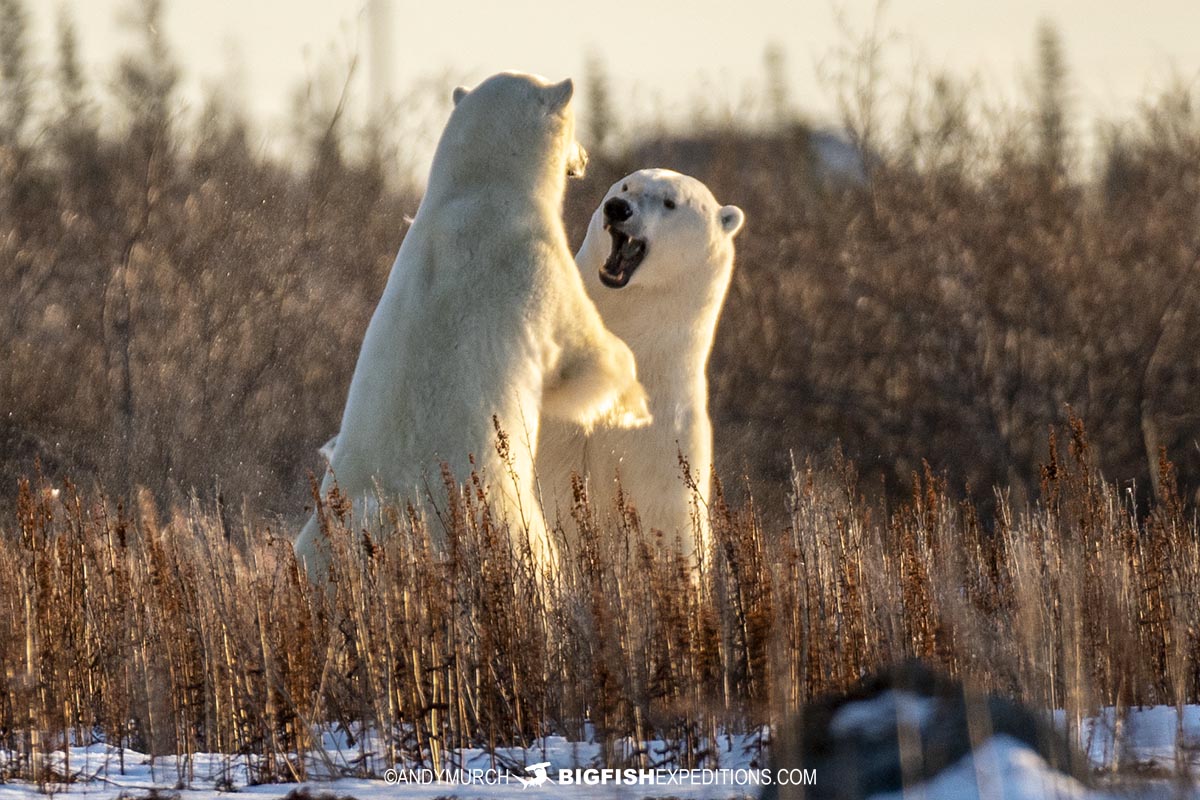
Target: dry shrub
(194, 634)
(185, 308)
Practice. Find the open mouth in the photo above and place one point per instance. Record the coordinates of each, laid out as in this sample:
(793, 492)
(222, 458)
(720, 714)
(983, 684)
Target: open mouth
(627, 253)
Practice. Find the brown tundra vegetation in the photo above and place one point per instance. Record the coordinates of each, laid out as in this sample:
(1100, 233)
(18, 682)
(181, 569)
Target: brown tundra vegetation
(900, 385)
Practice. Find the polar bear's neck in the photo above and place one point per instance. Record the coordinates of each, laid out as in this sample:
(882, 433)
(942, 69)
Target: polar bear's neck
(455, 172)
(671, 335)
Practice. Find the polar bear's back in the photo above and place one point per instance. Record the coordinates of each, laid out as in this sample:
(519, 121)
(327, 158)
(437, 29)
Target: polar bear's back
(424, 401)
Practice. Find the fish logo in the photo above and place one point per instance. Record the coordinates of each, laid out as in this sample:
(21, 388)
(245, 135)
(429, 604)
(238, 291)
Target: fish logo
(538, 771)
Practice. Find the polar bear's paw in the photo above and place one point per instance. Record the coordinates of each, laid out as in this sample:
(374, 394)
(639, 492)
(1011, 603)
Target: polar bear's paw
(597, 385)
(630, 409)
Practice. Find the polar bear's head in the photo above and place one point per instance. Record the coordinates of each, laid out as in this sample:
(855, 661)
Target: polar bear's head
(511, 124)
(659, 228)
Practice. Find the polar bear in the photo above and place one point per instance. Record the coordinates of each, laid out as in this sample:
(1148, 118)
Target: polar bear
(657, 261)
(484, 322)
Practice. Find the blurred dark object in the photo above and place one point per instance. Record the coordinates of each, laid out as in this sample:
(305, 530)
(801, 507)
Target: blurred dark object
(901, 727)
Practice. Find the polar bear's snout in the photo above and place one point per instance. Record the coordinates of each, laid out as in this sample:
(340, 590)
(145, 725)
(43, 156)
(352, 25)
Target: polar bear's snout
(617, 209)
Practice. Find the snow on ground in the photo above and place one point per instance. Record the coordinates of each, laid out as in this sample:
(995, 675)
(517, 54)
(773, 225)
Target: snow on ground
(1003, 769)
(1147, 740)
(99, 774)
(1144, 743)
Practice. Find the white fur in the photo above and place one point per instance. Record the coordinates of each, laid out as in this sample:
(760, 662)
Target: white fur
(667, 314)
(484, 314)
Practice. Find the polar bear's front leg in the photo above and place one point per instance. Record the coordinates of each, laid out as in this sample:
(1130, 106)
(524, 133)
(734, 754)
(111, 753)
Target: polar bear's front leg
(596, 384)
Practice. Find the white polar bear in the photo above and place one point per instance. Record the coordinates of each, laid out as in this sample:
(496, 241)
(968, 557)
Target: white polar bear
(657, 261)
(484, 314)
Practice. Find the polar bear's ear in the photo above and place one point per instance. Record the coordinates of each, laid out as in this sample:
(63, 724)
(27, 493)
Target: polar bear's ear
(732, 219)
(558, 95)
(459, 93)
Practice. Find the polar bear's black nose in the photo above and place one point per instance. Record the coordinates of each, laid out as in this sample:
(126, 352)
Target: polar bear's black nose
(617, 210)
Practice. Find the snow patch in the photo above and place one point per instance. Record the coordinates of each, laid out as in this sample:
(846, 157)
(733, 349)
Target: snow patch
(882, 714)
(1002, 769)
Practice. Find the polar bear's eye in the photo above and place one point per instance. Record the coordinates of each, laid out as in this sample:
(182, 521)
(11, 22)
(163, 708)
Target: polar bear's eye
(625, 187)
(669, 203)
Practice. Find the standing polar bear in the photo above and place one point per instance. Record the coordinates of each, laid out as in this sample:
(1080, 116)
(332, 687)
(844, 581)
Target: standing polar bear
(657, 261)
(484, 315)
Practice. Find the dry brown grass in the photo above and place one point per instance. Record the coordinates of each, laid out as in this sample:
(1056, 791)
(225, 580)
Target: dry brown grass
(191, 634)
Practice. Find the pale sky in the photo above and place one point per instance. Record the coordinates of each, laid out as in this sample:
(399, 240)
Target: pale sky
(661, 54)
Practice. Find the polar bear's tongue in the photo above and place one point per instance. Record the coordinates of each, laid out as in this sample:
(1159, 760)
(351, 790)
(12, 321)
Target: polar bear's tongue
(626, 254)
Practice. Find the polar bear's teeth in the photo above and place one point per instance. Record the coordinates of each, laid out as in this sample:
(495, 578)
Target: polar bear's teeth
(633, 248)
(619, 237)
